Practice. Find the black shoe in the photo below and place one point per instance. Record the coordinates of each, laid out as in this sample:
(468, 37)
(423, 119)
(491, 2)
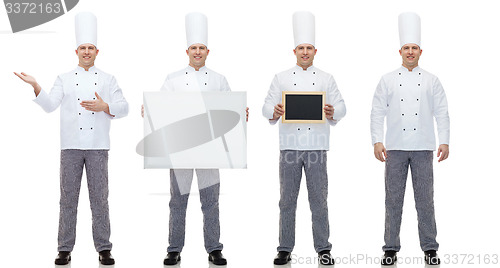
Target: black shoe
(63, 258)
(172, 258)
(217, 258)
(282, 258)
(389, 258)
(431, 257)
(105, 257)
(325, 258)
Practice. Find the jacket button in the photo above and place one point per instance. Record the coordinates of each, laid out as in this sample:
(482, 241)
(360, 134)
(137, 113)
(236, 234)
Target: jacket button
(415, 113)
(419, 73)
(298, 128)
(309, 128)
(314, 72)
(401, 99)
(91, 128)
(313, 84)
(186, 72)
(92, 112)
(78, 98)
(399, 84)
(293, 72)
(399, 73)
(414, 129)
(206, 72)
(417, 99)
(95, 84)
(294, 84)
(205, 84)
(77, 84)
(76, 73)
(187, 84)
(404, 129)
(403, 114)
(418, 84)
(79, 113)
(95, 73)
(80, 128)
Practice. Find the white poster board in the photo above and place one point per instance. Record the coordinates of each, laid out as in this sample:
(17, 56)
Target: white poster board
(194, 130)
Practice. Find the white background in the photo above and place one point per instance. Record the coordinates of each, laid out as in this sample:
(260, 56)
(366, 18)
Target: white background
(141, 42)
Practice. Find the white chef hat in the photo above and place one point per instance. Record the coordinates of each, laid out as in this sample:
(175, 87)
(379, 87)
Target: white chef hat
(196, 29)
(303, 28)
(86, 28)
(409, 28)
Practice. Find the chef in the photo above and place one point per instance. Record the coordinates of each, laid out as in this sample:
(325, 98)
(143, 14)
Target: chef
(304, 145)
(89, 99)
(195, 77)
(409, 97)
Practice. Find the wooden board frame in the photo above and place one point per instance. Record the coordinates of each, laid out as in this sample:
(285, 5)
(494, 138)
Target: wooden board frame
(321, 93)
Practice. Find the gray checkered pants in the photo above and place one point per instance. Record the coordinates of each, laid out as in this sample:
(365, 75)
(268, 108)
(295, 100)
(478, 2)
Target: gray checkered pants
(96, 167)
(209, 198)
(314, 165)
(396, 172)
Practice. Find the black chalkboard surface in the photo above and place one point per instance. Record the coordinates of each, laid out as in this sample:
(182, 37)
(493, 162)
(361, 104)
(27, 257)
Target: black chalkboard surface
(303, 107)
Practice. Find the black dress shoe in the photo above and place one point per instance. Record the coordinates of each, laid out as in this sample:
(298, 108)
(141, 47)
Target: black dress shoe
(172, 258)
(282, 258)
(63, 258)
(106, 258)
(431, 257)
(325, 258)
(217, 258)
(389, 258)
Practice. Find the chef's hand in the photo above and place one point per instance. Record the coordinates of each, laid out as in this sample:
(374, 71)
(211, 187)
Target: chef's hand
(443, 152)
(142, 111)
(247, 114)
(379, 151)
(329, 110)
(278, 111)
(96, 105)
(30, 80)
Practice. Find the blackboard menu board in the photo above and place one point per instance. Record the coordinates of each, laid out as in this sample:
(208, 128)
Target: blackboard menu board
(303, 106)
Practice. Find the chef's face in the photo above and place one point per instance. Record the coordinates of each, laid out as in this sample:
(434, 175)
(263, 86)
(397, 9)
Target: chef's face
(305, 55)
(197, 55)
(410, 54)
(86, 55)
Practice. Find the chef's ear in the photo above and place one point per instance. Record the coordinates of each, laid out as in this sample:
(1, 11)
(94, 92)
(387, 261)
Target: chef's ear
(96, 51)
(208, 51)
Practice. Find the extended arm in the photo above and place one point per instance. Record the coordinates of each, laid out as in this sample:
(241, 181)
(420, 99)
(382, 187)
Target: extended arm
(30, 80)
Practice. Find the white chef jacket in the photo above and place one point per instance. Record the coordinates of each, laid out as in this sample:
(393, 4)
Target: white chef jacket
(410, 100)
(188, 79)
(304, 136)
(82, 129)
